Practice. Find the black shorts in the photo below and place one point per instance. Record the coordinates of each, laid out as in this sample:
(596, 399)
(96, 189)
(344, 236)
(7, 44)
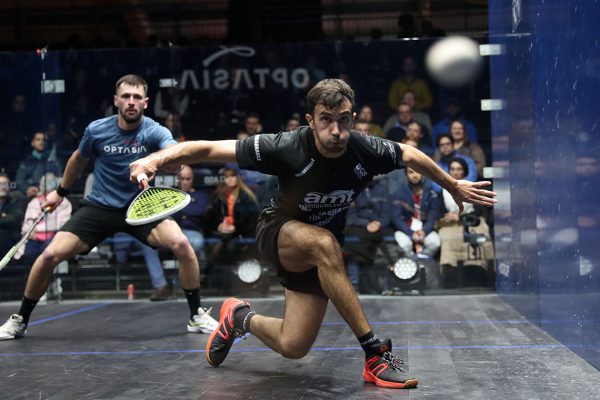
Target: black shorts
(267, 232)
(92, 223)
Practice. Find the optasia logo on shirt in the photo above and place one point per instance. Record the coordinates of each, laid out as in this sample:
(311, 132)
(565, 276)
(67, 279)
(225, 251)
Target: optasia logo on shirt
(125, 149)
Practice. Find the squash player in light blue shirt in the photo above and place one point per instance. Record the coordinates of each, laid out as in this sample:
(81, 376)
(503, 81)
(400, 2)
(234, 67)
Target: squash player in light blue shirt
(113, 142)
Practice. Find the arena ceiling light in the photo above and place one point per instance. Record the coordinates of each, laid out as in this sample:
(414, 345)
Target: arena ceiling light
(249, 271)
(405, 268)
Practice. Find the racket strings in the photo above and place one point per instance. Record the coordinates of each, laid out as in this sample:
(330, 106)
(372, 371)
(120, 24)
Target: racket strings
(155, 201)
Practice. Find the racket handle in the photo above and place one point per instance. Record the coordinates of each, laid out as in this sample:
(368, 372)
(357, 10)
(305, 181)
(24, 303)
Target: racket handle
(143, 180)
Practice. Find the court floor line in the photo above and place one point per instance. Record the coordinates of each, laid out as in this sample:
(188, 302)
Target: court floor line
(261, 349)
(67, 314)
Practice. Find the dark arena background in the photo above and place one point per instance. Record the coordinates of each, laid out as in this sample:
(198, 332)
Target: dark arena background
(507, 308)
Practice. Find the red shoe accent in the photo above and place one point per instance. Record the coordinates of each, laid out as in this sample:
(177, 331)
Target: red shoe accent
(224, 330)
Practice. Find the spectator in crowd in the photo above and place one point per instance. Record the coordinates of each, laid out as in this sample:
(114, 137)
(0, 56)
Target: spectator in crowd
(451, 227)
(363, 126)
(453, 112)
(47, 227)
(11, 214)
(409, 80)
(233, 213)
(366, 114)
(252, 124)
(415, 210)
(414, 133)
(14, 134)
(464, 146)
(369, 218)
(173, 123)
(292, 124)
(445, 147)
(421, 117)
(192, 219)
(35, 165)
(125, 245)
(396, 125)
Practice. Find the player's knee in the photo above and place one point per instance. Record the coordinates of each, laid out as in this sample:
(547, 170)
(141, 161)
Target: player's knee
(51, 256)
(326, 250)
(181, 245)
(293, 349)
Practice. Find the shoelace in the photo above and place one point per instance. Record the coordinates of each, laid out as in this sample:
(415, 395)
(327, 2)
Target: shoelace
(393, 361)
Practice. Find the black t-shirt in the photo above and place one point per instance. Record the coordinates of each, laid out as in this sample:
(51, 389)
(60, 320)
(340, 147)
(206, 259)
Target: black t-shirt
(314, 189)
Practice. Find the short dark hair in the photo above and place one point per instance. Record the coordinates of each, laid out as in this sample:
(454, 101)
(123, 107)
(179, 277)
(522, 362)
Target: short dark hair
(443, 135)
(329, 92)
(462, 162)
(133, 80)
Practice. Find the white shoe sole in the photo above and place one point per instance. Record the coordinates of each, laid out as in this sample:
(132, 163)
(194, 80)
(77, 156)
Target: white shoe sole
(193, 329)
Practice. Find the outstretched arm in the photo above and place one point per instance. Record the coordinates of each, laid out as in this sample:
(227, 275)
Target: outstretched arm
(461, 191)
(184, 153)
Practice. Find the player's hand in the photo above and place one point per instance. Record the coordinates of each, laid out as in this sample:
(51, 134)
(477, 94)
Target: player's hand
(53, 200)
(473, 192)
(144, 165)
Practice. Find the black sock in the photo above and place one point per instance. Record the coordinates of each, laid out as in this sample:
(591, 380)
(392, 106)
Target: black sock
(27, 306)
(193, 299)
(242, 317)
(368, 342)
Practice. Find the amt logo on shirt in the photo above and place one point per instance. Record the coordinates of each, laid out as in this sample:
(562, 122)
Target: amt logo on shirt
(335, 197)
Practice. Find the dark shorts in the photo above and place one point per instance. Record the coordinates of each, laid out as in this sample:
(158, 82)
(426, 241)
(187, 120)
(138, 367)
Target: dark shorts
(93, 223)
(267, 232)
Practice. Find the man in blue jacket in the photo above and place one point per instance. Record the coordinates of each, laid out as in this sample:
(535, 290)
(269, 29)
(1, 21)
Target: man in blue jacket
(369, 220)
(415, 211)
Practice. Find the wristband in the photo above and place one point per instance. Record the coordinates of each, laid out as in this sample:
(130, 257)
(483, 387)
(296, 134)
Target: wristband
(61, 191)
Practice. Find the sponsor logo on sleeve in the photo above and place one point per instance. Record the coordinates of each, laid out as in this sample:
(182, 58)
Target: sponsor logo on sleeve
(257, 148)
(360, 171)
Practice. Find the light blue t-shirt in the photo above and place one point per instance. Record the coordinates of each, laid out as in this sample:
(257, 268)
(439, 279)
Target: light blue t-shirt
(114, 149)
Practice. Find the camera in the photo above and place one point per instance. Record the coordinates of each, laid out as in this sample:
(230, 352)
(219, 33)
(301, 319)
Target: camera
(472, 220)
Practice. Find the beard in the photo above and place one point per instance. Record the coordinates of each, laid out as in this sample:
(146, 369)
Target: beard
(130, 119)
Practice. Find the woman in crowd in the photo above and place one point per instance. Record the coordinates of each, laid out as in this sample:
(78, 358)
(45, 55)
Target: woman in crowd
(452, 226)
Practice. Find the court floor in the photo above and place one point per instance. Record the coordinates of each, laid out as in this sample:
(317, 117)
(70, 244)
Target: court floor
(459, 346)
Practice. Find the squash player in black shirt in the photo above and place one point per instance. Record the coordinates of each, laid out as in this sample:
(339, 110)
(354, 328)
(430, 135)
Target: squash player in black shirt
(321, 170)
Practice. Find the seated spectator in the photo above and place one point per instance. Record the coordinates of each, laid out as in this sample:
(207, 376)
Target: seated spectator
(453, 112)
(409, 80)
(451, 228)
(292, 124)
(368, 219)
(363, 126)
(445, 146)
(395, 127)
(47, 227)
(192, 218)
(415, 210)
(173, 124)
(414, 132)
(11, 214)
(35, 165)
(125, 245)
(233, 213)
(421, 117)
(464, 146)
(366, 114)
